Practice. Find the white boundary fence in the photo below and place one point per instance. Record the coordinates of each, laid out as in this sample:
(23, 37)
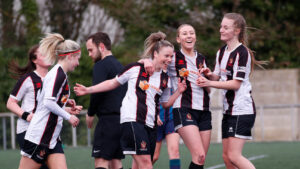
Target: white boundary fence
(293, 110)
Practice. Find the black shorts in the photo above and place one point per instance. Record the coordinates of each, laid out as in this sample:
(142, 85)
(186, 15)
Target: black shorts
(107, 138)
(237, 126)
(186, 116)
(20, 139)
(40, 153)
(138, 139)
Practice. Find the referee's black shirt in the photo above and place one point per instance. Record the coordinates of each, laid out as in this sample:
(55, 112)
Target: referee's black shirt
(106, 103)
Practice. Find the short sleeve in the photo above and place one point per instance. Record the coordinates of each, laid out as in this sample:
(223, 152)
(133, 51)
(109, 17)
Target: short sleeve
(21, 87)
(240, 65)
(129, 71)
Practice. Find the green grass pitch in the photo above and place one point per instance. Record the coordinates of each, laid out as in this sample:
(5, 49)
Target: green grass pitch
(275, 155)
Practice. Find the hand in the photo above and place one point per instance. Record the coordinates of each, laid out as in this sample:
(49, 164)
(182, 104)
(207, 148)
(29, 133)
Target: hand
(80, 90)
(74, 121)
(206, 71)
(159, 122)
(203, 82)
(149, 66)
(71, 102)
(89, 120)
(29, 117)
(181, 85)
(74, 110)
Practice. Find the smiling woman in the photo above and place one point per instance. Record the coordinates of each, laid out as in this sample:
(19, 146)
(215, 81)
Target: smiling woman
(42, 143)
(234, 64)
(138, 120)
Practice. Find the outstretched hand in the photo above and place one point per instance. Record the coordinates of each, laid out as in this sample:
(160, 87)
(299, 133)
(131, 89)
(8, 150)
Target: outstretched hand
(80, 89)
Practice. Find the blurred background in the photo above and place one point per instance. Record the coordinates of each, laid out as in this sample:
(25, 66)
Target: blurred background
(273, 33)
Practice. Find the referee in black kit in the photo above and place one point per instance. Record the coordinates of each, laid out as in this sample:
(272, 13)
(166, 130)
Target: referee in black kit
(106, 146)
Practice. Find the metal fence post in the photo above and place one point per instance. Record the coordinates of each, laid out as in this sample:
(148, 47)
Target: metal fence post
(74, 137)
(88, 137)
(4, 133)
(261, 109)
(12, 131)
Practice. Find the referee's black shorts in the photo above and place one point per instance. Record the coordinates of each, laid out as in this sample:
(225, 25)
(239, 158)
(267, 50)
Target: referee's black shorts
(107, 137)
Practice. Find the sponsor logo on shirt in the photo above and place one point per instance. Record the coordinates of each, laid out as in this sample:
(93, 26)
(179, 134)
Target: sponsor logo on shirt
(144, 85)
(183, 72)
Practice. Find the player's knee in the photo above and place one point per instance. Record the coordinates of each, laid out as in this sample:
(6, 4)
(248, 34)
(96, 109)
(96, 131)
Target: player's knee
(233, 157)
(174, 152)
(145, 164)
(225, 158)
(201, 157)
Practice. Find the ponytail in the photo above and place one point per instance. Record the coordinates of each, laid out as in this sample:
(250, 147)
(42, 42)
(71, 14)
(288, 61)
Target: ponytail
(54, 47)
(153, 43)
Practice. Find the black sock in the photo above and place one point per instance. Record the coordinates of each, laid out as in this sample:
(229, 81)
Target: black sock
(100, 168)
(195, 166)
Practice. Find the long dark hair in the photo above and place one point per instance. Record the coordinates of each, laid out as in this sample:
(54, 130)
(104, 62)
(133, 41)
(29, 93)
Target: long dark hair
(17, 71)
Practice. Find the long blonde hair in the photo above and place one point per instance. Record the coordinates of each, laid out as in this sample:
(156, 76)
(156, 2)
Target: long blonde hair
(154, 42)
(53, 45)
(240, 23)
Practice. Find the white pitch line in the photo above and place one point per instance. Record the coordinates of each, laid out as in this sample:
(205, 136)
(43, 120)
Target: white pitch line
(250, 158)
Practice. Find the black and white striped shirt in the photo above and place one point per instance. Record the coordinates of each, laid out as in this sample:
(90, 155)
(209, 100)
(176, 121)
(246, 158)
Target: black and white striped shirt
(144, 93)
(235, 64)
(26, 89)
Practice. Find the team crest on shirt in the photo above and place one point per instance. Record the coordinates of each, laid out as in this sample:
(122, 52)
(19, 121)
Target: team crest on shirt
(200, 66)
(189, 117)
(164, 83)
(183, 72)
(144, 85)
(143, 146)
(230, 63)
(64, 98)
